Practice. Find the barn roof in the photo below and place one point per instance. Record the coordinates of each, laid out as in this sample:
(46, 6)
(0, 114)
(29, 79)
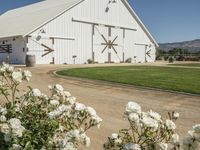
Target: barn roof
(21, 21)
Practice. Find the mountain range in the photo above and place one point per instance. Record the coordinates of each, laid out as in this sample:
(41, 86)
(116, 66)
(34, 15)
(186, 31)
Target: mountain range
(192, 46)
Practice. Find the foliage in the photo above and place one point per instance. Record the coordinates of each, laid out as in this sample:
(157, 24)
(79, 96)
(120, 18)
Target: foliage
(37, 121)
(90, 61)
(171, 59)
(129, 60)
(176, 79)
(148, 131)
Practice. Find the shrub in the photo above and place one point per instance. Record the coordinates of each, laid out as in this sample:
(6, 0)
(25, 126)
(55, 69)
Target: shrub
(129, 60)
(148, 131)
(171, 59)
(90, 61)
(34, 120)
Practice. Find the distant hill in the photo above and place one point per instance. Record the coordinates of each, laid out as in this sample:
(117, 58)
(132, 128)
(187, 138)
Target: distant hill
(192, 46)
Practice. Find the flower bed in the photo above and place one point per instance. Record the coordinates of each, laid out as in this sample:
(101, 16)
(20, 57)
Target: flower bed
(37, 121)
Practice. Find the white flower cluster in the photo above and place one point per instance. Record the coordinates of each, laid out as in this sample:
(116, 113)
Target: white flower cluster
(131, 146)
(63, 106)
(146, 119)
(147, 131)
(192, 141)
(10, 128)
(17, 76)
(67, 142)
(59, 115)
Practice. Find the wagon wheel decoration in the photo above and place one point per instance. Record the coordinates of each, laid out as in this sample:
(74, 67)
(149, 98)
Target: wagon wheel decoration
(109, 44)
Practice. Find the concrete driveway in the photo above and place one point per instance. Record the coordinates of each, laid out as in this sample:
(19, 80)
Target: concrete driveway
(109, 101)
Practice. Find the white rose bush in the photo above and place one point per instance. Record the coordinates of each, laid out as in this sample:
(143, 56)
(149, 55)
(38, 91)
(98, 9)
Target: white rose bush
(35, 121)
(149, 131)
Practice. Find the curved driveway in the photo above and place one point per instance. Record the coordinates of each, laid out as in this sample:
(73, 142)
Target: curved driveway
(109, 101)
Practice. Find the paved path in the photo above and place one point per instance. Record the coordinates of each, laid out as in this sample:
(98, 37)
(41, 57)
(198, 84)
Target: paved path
(109, 101)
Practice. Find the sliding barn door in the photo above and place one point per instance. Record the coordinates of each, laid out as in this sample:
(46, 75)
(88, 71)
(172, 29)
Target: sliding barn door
(107, 44)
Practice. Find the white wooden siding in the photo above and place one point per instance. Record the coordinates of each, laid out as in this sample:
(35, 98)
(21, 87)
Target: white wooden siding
(82, 47)
(18, 54)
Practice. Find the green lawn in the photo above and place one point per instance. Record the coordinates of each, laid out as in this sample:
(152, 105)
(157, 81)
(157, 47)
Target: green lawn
(177, 79)
(187, 64)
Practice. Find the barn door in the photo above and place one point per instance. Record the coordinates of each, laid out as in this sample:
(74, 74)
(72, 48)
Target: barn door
(107, 44)
(117, 51)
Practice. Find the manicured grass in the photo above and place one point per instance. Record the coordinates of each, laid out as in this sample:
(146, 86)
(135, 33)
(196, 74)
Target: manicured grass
(187, 64)
(176, 79)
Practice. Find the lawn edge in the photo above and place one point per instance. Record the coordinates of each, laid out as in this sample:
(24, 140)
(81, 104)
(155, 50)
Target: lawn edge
(121, 84)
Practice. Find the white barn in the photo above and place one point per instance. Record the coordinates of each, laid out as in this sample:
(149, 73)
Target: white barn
(73, 31)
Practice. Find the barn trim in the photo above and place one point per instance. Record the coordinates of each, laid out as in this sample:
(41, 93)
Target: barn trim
(54, 17)
(103, 24)
(135, 16)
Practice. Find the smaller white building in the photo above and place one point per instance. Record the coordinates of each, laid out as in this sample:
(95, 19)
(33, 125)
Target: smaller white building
(75, 31)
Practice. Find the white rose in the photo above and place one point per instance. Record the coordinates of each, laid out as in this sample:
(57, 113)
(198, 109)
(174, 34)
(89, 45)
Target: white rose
(10, 69)
(154, 115)
(3, 110)
(54, 114)
(17, 76)
(16, 147)
(15, 123)
(149, 122)
(27, 74)
(36, 92)
(196, 128)
(72, 100)
(18, 131)
(114, 136)
(97, 120)
(54, 102)
(194, 135)
(2, 69)
(63, 108)
(170, 124)
(79, 107)
(91, 111)
(134, 117)
(133, 107)
(69, 146)
(175, 138)
(176, 115)
(161, 146)
(131, 146)
(3, 118)
(5, 128)
(118, 140)
(59, 88)
(87, 141)
(67, 94)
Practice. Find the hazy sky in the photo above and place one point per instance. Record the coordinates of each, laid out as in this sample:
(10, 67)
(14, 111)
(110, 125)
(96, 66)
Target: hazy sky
(167, 20)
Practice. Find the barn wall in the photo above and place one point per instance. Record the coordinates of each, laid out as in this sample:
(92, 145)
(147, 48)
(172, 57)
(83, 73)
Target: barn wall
(18, 54)
(81, 46)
